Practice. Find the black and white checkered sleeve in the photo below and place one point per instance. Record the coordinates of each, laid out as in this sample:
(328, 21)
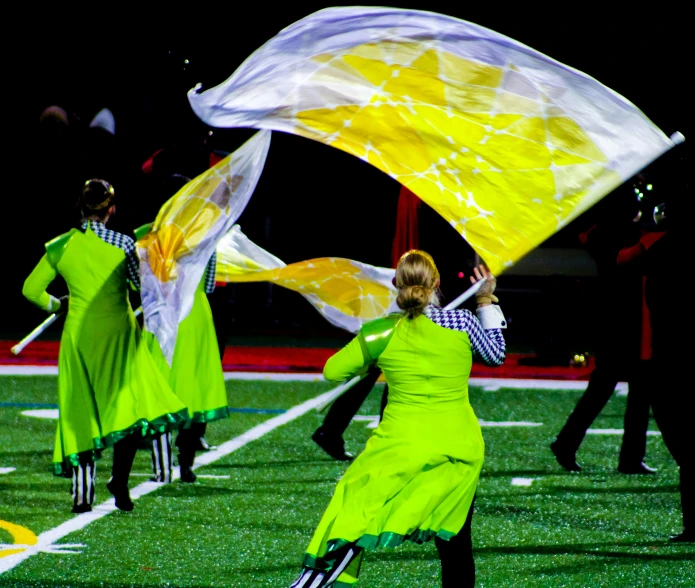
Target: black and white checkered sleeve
(210, 270)
(488, 345)
(127, 244)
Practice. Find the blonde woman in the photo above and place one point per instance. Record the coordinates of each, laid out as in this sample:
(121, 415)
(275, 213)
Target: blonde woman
(417, 477)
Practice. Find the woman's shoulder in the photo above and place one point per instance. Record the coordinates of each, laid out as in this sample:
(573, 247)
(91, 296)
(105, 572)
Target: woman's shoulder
(456, 319)
(57, 246)
(379, 325)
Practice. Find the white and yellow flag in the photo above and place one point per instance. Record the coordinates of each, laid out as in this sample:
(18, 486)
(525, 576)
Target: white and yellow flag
(185, 234)
(505, 143)
(347, 293)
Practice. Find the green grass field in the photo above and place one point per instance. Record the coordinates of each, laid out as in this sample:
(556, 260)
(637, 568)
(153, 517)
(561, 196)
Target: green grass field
(248, 525)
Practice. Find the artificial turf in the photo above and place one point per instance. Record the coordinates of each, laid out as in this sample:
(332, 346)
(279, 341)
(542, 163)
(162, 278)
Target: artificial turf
(249, 524)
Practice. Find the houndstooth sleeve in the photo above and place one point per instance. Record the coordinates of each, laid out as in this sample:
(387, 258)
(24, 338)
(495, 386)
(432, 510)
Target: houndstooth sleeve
(210, 270)
(488, 344)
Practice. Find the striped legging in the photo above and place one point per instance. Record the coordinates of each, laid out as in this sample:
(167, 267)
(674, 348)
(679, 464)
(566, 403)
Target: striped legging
(83, 491)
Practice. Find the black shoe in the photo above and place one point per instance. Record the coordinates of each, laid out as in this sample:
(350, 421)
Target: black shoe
(80, 508)
(687, 536)
(333, 446)
(565, 457)
(640, 468)
(121, 497)
(188, 475)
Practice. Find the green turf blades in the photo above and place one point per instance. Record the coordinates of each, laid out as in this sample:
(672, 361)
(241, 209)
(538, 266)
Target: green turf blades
(595, 528)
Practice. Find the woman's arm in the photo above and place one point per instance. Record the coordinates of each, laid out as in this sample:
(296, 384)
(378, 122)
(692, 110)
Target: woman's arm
(485, 333)
(35, 285)
(210, 271)
(346, 363)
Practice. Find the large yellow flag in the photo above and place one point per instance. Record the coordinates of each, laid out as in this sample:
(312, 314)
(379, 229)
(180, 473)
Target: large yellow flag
(347, 293)
(173, 255)
(507, 144)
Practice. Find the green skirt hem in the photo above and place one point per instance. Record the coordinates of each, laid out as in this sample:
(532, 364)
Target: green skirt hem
(167, 422)
(207, 416)
(64, 468)
(388, 539)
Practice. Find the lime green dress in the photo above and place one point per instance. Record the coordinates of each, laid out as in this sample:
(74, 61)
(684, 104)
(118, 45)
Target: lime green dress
(196, 373)
(417, 476)
(108, 383)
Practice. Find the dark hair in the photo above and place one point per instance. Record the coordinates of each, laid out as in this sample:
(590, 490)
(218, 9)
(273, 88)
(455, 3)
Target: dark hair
(96, 198)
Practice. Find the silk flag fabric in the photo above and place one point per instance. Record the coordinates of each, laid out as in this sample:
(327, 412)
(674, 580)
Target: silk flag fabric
(347, 293)
(507, 144)
(185, 234)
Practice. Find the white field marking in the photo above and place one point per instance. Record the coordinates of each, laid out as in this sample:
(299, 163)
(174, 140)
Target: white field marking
(494, 384)
(28, 370)
(614, 432)
(51, 370)
(488, 384)
(522, 481)
(49, 538)
(508, 424)
(7, 470)
(42, 413)
(274, 376)
(210, 477)
(373, 422)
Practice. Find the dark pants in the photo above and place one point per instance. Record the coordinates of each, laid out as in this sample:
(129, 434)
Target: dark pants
(188, 442)
(123, 456)
(601, 386)
(456, 556)
(673, 416)
(346, 406)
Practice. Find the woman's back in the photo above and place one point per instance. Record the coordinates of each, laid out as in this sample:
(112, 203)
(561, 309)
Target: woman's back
(426, 364)
(95, 272)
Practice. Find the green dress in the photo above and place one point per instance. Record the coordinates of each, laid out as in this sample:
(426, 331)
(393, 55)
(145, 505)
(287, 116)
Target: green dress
(196, 373)
(417, 477)
(108, 383)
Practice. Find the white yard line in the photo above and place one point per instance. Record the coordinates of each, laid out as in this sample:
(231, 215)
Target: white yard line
(522, 481)
(47, 539)
(616, 432)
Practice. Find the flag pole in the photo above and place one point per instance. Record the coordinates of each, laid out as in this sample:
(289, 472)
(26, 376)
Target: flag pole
(340, 390)
(35, 333)
(17, 349)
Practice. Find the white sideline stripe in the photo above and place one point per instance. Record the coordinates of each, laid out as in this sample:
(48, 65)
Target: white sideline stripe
(275, 376)
(28, 370)
(488, 384)
(48, 538)
(7, 470)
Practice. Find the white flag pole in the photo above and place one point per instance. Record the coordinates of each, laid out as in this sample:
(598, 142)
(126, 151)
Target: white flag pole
(17, 349)
(35, 333)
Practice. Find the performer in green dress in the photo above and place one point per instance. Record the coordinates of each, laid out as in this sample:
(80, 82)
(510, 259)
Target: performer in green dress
(416, 479)
(110, 391)
(195, 375)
